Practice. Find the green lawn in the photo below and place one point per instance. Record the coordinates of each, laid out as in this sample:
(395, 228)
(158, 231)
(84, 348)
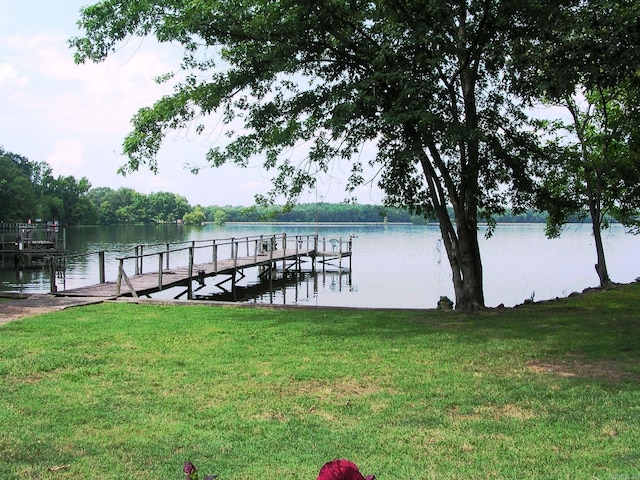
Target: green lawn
(121, 391)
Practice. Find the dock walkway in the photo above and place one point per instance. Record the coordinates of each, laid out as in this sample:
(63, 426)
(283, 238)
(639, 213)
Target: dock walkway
(261, 252)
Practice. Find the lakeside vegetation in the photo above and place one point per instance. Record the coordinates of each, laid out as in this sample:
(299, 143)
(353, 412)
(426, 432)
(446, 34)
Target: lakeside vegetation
(118, 391)
(30, 191)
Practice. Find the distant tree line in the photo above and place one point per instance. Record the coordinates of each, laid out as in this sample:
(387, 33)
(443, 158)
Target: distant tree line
(28, 190)
(125, 205)
(339, 212)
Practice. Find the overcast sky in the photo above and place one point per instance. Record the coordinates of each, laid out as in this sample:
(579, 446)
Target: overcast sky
(75, 117)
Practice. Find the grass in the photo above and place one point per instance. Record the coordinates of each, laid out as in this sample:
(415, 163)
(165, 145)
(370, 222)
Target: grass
(119, 391)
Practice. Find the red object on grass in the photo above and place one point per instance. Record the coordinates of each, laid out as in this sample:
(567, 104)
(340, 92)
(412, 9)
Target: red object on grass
(342, 470)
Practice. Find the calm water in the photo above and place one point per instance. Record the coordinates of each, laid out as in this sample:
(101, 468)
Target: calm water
(392, 266)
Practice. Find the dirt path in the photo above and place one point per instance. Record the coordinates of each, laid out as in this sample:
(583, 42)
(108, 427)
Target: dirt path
(15, 308)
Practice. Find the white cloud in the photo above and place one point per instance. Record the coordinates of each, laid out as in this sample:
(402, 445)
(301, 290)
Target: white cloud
(66, 157)
(251, 187)
(11, 78)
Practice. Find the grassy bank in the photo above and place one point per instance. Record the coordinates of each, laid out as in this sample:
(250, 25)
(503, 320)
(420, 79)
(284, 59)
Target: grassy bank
(120, 391)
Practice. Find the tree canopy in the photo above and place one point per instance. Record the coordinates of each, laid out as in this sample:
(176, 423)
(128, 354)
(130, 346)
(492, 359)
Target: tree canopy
(28, 190)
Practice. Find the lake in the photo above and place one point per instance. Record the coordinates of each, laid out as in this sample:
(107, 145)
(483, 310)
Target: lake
(393, 266)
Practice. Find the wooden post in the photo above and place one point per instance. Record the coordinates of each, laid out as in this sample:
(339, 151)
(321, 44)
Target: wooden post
(215, 257)
(134, 294)
(52, 274)
(234, 252)
(168, 256)
(137, 269)
(160, 255)
(64, 272)
(189, 287)
(120, 272)
(101, 266)
(350, 252)
(273, 239)
(284, 252)
(233, 285)
(315, 253)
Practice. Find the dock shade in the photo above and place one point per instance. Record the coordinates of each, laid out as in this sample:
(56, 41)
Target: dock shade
(201, 277)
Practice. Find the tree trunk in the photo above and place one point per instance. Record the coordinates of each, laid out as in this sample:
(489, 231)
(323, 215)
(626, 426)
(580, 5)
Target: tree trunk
(463, 252)
(595, 211)
(601, 266)
(593, 184)
(596, 226)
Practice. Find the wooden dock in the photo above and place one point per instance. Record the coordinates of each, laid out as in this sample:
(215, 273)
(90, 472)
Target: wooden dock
(25, 245)
(268, 254)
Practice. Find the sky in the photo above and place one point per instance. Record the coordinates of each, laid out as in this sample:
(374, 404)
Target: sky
(75, 117)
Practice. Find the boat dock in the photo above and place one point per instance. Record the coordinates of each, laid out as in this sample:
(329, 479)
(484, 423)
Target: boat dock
(224, 259)
(25, 245)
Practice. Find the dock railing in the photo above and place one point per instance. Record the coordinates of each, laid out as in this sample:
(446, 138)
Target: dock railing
(210, 251)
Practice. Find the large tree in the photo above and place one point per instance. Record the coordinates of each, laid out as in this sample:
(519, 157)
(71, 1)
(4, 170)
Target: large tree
(423, 80)
(594, 168)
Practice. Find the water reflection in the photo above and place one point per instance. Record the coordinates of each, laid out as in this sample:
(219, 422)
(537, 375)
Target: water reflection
(281, 287)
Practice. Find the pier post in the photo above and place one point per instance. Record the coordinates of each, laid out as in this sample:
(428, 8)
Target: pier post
(120, 272)
(137, 252)
(350, 252)
(160, 255)
(189, 287)
(168, 256)
(215, 257)
(234, 252)
(284, 253)
(315, 253)
(52, 274)
(271, 265)
(101, 266)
